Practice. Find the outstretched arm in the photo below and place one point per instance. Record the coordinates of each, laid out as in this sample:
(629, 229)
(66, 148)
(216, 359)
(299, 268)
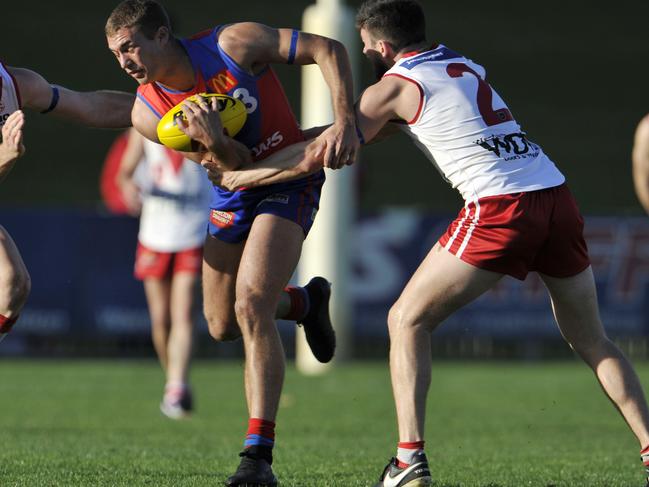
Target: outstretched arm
(105, 109)
(640, 157)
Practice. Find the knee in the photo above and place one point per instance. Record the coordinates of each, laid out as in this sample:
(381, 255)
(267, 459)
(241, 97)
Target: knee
(402, 320)
(24, 286)
(222, 329)
(221, 322)
(17, 285)
(251, 310)
(398, 320)
(591, 345)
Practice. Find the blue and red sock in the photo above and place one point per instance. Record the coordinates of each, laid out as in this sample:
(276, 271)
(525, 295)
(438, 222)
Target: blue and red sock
(260, 432)
(260, 438)
(299, 303)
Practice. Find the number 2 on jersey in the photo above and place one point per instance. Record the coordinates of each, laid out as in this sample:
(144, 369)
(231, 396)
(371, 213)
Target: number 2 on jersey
(485, 96)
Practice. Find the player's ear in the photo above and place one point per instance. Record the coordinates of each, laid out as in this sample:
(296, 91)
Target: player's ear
(386, 49)
(162, 35)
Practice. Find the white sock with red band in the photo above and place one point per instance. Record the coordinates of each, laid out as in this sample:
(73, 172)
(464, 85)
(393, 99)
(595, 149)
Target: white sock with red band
(174, 391)
(406, 450)
(644, 456)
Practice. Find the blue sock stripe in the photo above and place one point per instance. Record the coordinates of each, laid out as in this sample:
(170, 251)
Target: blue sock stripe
(252, 440)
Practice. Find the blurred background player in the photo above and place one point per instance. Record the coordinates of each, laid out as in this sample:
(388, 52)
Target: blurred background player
(255, 237)
(22, 88)
(172, 196)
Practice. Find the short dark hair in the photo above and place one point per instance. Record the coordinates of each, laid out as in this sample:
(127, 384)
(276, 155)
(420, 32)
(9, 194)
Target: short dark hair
(399, 22)
(148, 15)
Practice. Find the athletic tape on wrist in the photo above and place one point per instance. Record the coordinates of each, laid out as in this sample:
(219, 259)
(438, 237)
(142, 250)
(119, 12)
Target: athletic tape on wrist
(360, 135)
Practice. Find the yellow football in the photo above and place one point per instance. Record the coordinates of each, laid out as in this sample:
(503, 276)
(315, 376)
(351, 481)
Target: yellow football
(233, 116)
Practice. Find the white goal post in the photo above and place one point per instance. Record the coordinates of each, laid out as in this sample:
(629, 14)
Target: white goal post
(327, 250)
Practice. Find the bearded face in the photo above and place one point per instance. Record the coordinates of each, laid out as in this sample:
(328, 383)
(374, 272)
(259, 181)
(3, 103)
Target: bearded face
(378, 64)
(372, 50)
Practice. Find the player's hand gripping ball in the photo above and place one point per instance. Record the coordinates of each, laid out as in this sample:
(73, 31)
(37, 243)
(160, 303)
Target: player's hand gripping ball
(233, 116)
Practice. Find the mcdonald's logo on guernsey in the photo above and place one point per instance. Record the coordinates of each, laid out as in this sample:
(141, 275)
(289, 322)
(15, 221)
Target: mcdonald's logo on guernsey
(222, 82)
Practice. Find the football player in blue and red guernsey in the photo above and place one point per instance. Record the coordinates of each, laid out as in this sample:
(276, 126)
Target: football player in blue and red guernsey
(255, 235)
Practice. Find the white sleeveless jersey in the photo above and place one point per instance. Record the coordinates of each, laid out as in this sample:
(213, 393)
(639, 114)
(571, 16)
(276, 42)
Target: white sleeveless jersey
(9, 95)
(467, 131)
(175, 200)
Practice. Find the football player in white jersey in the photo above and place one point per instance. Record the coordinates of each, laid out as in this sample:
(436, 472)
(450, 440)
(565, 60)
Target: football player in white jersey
(172, 196)
(519, 217)
(23, 88)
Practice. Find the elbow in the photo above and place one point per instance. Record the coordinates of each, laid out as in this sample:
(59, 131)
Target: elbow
(329, 48)
(336, 47)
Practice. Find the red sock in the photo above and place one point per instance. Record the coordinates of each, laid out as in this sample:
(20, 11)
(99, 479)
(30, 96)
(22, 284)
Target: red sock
(299, 303)
(406, 450)
(7, 323)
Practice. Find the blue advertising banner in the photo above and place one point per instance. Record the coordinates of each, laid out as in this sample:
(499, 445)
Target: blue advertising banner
(390, 246)
(82, 282)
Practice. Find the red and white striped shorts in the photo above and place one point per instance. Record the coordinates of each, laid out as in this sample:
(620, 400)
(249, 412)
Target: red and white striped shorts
(521, 232)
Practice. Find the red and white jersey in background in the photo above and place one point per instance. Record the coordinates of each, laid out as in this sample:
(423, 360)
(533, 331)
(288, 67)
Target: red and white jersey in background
(175, 200)
(468, 132)
(9, 95)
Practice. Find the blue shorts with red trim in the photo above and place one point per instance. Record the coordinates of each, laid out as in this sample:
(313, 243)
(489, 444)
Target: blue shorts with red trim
(232, 213)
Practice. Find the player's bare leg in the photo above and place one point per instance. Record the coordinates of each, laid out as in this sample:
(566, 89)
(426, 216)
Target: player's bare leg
(179, 347)
(220, 267)
(178, 402)
(15, 283)
(157, 293)
(441, 285)
(574, 302)
(269, 259)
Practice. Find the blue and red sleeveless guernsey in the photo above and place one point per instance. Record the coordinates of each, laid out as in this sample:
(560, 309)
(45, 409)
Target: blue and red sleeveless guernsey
(270, 126)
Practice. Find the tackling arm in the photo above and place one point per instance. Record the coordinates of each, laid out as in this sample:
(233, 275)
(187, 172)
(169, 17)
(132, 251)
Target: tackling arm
(105, 109)
(389, 99)
(293, 162)
(640, 158)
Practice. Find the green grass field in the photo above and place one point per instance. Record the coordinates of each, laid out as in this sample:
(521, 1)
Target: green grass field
(96, 423)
